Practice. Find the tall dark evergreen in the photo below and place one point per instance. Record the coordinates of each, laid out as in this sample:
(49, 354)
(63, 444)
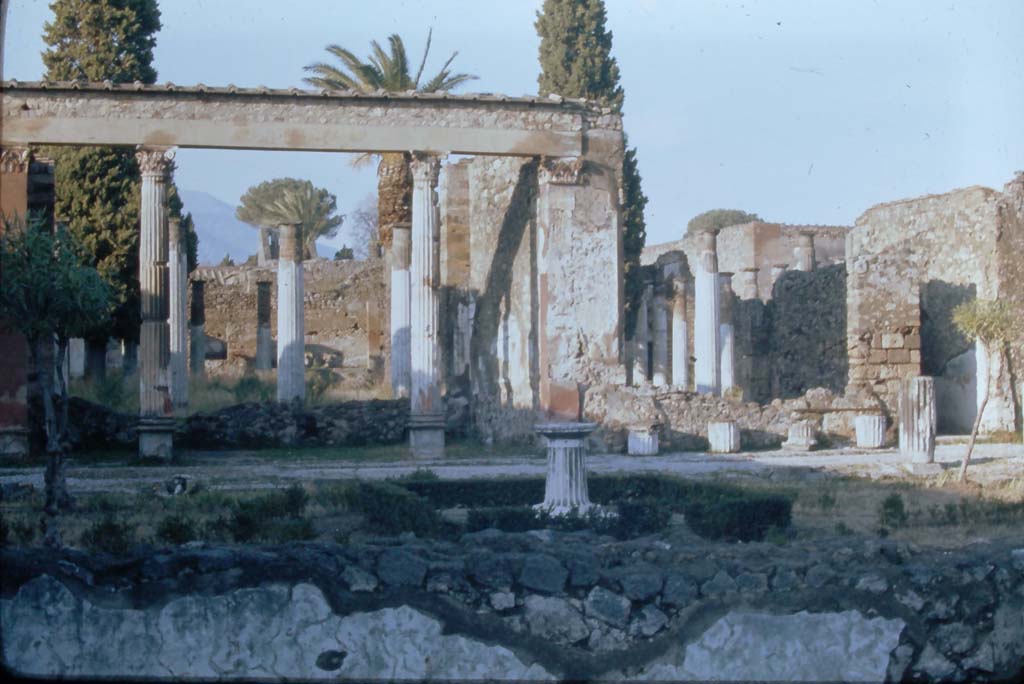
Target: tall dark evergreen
(98, 187)
(576, 61)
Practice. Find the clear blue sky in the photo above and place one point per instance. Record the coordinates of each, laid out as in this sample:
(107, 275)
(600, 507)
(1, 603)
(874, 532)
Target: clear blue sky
(801, 111)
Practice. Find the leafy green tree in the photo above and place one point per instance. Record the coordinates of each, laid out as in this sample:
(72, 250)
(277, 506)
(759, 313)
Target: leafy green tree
(98, 187)
(996, 326)
(49, 295)
(290, 200)
(716, 219)
(576, 61)
(387, 71)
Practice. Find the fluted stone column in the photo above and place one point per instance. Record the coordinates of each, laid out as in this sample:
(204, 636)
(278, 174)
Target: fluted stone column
(870, 431)
(197, 330)
(401, 351)
(706, 312)
(917, 423)
(727, 333)
(156, 425)
(724, 437)
(803, 436)
(178, 266)
(660, 371)
(680, 336)
(565, 487)
(426, 420)
(803, 253)
(642, 440)
(264, 338)
(291, 328)
(642, 337)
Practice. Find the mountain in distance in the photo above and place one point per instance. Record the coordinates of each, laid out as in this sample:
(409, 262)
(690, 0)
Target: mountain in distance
(221, 233)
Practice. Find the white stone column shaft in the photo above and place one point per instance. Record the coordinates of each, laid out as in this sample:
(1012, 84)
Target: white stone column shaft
(726, 333)
(264, 336)
(401, 311)
(426, 427)
(155, 403)
(661, 341)
(917, 419)
(178, 265)
(680, 336)
(707, 293)
(870, 430)
(291, 329)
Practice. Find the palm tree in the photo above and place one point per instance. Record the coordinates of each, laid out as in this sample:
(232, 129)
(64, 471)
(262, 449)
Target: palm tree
(388, 72)
(290, 200)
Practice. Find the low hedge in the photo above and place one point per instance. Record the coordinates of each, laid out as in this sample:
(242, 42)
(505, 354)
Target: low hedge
(634, 518)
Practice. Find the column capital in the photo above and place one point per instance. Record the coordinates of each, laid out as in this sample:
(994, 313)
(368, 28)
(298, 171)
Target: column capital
(15, 159)
(425, 167)
(557, 171)
(154, 161)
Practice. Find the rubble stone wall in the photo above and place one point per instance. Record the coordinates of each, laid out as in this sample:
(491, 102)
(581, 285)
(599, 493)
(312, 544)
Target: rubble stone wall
(342, 304)
(524, 607)
(909, 263)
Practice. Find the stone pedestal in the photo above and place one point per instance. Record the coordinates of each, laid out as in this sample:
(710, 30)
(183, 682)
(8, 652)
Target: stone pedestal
(178, 267)
(707, 295)
(265, 351)
(197, 330)
(802, 436)
(291, 325)
(680, 336)
(917, 422)
(642, 440)
(870, 431)
(724, 437)
(155, 402)
(426, 421)
(401, 312)
(565, 488)
(803, 254)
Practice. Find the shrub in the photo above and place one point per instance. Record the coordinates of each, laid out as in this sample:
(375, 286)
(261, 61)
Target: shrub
(892, 513)
(640, 517)
(318, 382)
(176, 529)
(740, 518)
(251, 388)
(108, 536)
(506, 518)
(390, 509)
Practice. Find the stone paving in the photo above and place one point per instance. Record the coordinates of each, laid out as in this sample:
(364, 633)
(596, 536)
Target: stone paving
(248, 470)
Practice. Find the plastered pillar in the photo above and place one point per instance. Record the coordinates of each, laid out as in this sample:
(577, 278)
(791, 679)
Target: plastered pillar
(680, 336)
(660, 332)
(156, 406)
(401, 311)
(707, 348)
(727, 333)
(197, 330)
(265, 351)
(426, 420)
(291, 332)
(178, 274)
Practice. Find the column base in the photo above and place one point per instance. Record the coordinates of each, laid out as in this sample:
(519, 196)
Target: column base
(156, 439)
(14, 442)
(426, 436)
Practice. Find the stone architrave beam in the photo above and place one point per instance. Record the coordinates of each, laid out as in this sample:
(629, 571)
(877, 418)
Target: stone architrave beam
(156, 408)
(426, 420)
(81, 113)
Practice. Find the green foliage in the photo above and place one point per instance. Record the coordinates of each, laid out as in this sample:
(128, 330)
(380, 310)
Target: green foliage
(746, 517)
(420, 475)
(716, 219)
(344, 254)
(575, 52)
(108, 536)
(46, 289)
(116, 390)
(383, 70)
(274, 517)
(98, 187)
(176, 529)
(227, 261)
(318, 382)
(891, 512)
(991, 321)
(290, 200)
(251, 388)
(390, 509)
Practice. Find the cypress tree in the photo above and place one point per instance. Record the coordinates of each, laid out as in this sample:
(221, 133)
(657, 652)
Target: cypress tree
(576, 61)
(98, 187)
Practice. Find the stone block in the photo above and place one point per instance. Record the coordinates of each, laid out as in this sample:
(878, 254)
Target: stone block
(870, 431)
(877, 356)
(401, 568)
(642, 442)
(724, 437)
(802, 436)
(898, 356)
(544, 573)
(607, 607)
(892, 341)
(912, 341)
